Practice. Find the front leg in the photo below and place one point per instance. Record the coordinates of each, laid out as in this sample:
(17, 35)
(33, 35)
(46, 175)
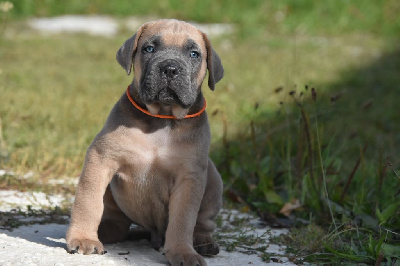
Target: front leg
(211, 203)
(184, 205)
(88, 207)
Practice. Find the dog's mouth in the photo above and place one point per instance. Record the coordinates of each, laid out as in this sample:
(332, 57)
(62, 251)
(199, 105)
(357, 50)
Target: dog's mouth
(167, 97)
(167, 102)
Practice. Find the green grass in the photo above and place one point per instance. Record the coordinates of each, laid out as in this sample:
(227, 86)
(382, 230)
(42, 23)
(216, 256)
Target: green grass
(253, 17)
(270, 145)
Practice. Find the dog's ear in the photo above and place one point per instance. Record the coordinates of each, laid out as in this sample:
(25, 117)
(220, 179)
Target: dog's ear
(214, 65)
(127, 51)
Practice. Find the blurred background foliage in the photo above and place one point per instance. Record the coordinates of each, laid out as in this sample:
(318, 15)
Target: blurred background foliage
(253, 16)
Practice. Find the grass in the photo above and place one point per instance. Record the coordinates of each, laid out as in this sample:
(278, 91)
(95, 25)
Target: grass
(253, 17)
(272, 142)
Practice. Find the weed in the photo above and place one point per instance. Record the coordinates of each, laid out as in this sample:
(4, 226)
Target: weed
(317, 188)
(16, 217)
(238, 232)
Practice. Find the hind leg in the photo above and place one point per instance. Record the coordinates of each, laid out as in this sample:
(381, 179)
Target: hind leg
(114, 225)
(211, 203)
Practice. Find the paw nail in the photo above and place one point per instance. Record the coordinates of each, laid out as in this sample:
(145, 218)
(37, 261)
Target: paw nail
(73, 251)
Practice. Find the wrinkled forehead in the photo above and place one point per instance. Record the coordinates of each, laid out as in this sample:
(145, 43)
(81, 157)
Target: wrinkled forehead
(173, 33)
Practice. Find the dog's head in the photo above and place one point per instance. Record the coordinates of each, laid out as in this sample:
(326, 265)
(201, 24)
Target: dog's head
(170, 60)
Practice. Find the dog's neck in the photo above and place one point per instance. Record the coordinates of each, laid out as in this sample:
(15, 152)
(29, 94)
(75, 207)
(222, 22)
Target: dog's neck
(165, 110)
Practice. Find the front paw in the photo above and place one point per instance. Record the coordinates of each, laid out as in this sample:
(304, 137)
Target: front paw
(85, 246)
(185, 259)
(205, 245)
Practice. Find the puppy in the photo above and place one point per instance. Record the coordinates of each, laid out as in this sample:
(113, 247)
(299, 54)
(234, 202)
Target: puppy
(149, 164)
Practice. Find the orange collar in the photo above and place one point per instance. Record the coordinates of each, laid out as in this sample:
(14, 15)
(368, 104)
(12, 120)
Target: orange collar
(163, 116)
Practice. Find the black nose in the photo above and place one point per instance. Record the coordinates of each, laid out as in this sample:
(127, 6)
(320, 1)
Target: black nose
(170, 71)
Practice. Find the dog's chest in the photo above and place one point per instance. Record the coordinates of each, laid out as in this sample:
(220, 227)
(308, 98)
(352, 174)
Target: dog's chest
(149, 148)
(149, 159)
(141, 186)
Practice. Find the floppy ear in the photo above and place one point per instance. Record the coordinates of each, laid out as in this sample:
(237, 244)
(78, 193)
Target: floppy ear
(127, 51)
(214, 65)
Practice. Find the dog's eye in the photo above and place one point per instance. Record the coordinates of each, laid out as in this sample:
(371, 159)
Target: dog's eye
(194, 54)
(149, 49)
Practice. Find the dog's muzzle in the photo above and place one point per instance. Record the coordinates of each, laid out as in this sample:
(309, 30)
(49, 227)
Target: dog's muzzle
(169, 75)
(168, 82)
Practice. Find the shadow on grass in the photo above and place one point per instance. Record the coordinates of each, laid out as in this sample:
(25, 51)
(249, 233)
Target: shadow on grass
(348, 135)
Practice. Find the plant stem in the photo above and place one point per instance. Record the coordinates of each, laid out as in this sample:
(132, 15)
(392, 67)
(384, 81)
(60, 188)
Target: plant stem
(310, 149)
(353, 173)
(323, 173)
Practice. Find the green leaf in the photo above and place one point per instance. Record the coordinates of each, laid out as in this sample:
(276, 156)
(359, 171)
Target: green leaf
(272, 197)
(391, 250)
(355, 249)
(371, 246)
(387, 213)
(348, 256)
(379, 245)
